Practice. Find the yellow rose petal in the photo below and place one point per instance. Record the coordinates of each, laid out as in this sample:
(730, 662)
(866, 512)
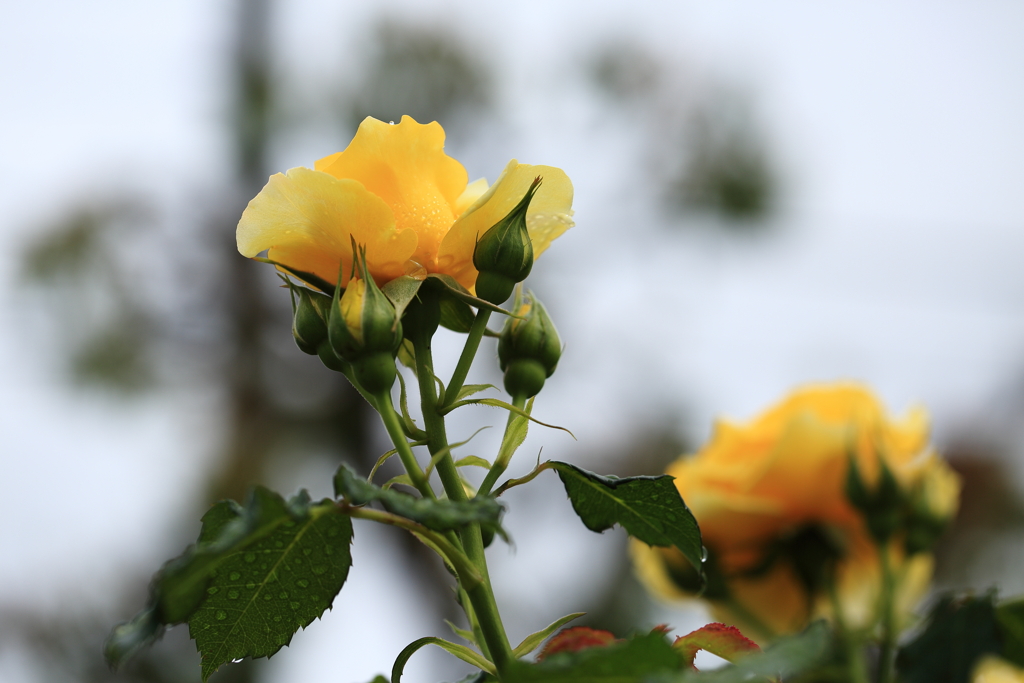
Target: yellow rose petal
(405, 165)
(307, 219)
(549, 215)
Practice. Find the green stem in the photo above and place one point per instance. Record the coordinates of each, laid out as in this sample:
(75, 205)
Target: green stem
(854, 651)
(501, 464)
(397, 433)
(476, 333)
(481, 596)
(888, 599)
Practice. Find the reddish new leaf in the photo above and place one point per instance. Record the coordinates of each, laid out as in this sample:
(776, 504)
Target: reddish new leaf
(575, 639)
(724, 641)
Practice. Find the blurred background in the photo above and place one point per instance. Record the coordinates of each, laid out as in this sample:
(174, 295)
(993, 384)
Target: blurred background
(766, 195)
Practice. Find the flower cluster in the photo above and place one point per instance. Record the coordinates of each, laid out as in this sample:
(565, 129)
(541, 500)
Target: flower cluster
(771, 500)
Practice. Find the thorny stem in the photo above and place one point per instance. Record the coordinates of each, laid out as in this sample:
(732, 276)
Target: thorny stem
(481, 596)
(394, 427)
(855, 664)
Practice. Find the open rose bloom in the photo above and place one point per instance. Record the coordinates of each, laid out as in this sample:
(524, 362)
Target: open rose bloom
(781, 478)
(394, 190)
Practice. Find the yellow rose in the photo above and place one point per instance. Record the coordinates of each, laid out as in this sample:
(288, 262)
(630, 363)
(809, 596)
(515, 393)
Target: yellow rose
(395, 191)
(773, 491)
(992, 669)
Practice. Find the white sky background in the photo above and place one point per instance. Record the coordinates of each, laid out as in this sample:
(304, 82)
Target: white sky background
(896, 258)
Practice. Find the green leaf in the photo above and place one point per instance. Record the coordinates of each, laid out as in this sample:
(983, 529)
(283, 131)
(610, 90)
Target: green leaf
(959, 632)
(255, 576)
(498, 403)
(631, 661)
(650, 508)
(280, 577)
(470, 389)
(452, 287)
(1010, 616)
(401, 291)
(468, 636)
(460, 651)
(456, 314)
(315, 280)
(473, 461)
(514, 437)
(789, 656)
(437, 515)
(407, 355)
(531, 641)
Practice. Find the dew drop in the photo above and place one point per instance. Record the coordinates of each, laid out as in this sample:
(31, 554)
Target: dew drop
(277, 618)
(307, 551)
(221, 615)
(328, 549)
(303, 583)
(236, 661)
(232, 594)
(268, 596)
(250, 585)
(283, 595)
(234, 576)
(391, 123)
(212, 590)
(278, 544)
(298, 560)
(319, 569)
(332, 532)
(294, 605)
(250, 557)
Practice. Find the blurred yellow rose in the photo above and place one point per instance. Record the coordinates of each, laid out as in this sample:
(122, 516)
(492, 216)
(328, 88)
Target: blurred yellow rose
(996, 670)
(395, 191)
(770, 500)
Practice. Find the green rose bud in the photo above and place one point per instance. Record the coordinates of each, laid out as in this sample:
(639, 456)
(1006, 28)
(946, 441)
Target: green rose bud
(309, 324)
(364, 330)
(882, 507)
(529, 348)
(504, 254)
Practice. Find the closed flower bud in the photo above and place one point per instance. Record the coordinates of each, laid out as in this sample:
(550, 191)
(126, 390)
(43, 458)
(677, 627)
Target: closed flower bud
(504, 254)
(365, 331)
(309, 324)
(933, 502)
(528, 349)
